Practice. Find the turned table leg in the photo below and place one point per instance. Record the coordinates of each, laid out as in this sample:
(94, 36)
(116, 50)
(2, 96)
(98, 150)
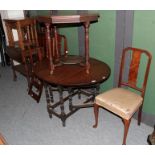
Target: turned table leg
(62, 115)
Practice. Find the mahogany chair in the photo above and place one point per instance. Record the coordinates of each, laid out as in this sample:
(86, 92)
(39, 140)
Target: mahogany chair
(26, 51)
(31, 53)
(122, 101)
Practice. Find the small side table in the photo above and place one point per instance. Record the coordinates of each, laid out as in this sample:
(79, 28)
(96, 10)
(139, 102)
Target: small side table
(51, 24)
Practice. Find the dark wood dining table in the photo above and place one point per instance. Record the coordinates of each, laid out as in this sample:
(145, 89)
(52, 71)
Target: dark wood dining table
(73, 79)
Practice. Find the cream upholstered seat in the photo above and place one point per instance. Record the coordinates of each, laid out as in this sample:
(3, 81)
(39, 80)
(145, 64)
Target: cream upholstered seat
(122, 101)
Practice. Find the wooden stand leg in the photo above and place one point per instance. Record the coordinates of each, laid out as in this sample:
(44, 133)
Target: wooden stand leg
(51, 94)
(126, 127)
(70, 99)
(48, 47)
(49, 108)
(86, 27)
(96, 111)
(79, 94)
(62, 115)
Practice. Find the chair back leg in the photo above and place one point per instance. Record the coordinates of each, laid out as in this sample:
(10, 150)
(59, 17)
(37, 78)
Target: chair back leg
(96, 111)
(140, 114)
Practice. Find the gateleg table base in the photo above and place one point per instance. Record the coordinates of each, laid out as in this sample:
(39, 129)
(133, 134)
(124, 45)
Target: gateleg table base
(89, 92)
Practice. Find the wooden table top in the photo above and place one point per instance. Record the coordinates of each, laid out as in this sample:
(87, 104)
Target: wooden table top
(59, 19)
(69, 75)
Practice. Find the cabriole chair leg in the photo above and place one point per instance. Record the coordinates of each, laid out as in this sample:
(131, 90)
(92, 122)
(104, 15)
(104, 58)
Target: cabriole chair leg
(126, 127)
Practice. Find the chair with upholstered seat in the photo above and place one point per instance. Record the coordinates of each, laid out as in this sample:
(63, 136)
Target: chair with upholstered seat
(122, 101)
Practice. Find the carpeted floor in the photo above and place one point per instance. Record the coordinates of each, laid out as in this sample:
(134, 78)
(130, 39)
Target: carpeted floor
(23, 121)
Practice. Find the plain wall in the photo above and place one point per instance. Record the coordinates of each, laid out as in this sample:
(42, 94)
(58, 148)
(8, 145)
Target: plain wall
(144, 37)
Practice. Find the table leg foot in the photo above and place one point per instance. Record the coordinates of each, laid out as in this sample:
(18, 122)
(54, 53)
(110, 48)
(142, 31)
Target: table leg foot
(63, 122)
(50, 116)
(70, 108)
(79, 94)
(49, 109)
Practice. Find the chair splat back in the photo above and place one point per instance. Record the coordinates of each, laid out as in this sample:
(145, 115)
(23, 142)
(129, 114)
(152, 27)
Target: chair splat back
(133, 69)
(31, 53)
(26, 51)
(28, 41)
(27, 34)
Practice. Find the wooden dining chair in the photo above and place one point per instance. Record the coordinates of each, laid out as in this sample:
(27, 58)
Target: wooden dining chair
(31, 53)
(26, 51)
(122, 101)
